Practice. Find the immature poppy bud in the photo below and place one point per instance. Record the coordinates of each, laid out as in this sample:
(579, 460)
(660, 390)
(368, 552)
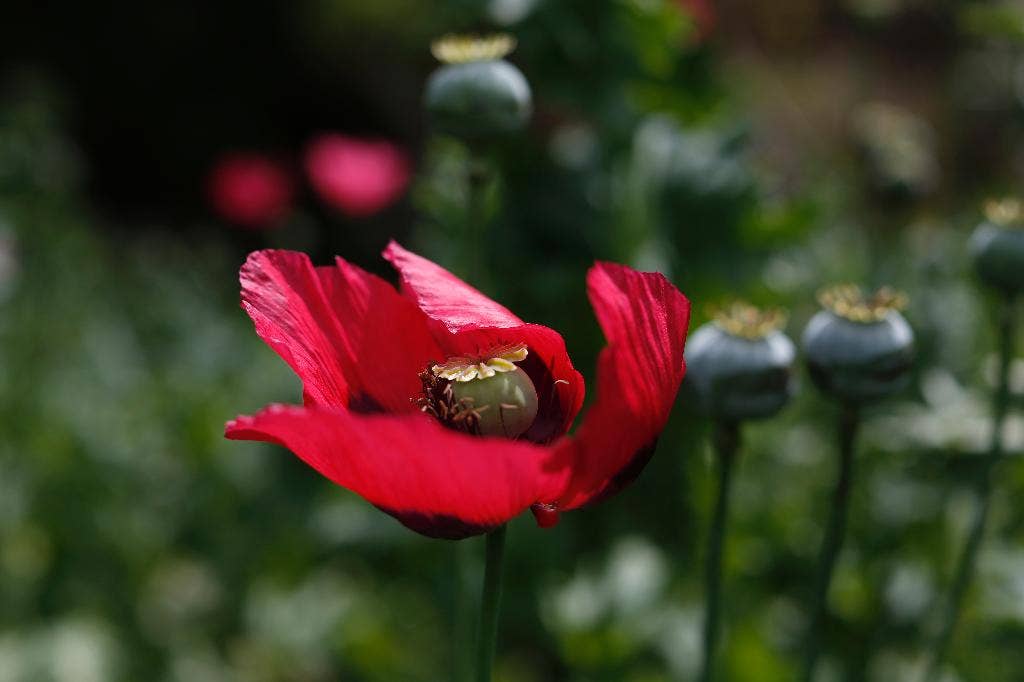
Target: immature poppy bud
(739, 366)
(477, 94)
(997, 246)
(859, 348)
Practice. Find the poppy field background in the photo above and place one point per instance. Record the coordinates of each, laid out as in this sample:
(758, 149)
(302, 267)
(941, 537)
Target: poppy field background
(756, 150)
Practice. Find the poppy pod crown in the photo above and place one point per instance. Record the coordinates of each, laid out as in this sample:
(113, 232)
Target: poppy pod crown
(444, 409)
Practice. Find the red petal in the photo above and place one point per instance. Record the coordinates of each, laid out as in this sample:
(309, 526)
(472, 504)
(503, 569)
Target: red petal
(387, 342)
(438, 482)
(446, 299)
(466, 322)
(351, 338)
(645, 320)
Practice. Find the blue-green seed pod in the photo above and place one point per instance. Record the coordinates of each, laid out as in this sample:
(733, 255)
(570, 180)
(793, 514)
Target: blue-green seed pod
(997, 247)
(476, 94)
(859, 349)
(740, 366)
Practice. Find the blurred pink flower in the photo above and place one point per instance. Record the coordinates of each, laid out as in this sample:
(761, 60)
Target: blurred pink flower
(250, 190)
(359, 177)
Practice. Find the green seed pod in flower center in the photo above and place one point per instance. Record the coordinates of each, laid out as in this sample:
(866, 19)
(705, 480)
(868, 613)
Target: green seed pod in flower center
(505, 404)
(487, 395)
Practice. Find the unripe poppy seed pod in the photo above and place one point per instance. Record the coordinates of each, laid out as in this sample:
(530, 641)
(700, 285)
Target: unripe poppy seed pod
(506, 403)
(487, 395)
(997, 246)
(476, 94)
(740, 365)
(859, 348)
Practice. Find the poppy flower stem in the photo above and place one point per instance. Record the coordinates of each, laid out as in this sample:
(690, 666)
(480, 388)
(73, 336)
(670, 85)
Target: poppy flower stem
(476, 215)
(490, 604)
(462, 616)
(726, 441)
(835, 532)
(968, 558)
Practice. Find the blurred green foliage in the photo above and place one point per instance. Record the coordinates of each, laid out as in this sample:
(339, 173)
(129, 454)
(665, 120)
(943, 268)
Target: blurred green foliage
(135, 543)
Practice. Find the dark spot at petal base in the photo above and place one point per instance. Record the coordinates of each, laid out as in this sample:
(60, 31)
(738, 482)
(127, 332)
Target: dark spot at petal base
(627, 474)
(440, 526)
(364, 403)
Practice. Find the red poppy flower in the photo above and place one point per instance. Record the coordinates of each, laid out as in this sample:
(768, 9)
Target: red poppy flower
(250, 190)
(357, 177)
(368, 356)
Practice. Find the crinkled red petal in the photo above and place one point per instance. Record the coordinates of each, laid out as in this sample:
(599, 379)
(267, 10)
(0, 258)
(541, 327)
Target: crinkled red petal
(645, 320)
(436, 481)
(464, 321)
(353, 340)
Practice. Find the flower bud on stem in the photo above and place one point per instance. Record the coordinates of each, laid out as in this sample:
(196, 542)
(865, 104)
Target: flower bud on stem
(727, 441)
(969, 556)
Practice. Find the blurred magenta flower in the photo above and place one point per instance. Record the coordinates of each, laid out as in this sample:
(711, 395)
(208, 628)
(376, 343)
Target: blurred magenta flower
(250, 190)
(358, 177)
(382, 418)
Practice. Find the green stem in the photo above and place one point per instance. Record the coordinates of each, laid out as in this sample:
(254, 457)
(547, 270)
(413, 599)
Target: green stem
(832, 544)
(463, 616)
(969, 557)
(476, 217)
(727, 440)
(490, 604)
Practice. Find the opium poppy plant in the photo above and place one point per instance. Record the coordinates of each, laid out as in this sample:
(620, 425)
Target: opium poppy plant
(444, 409)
